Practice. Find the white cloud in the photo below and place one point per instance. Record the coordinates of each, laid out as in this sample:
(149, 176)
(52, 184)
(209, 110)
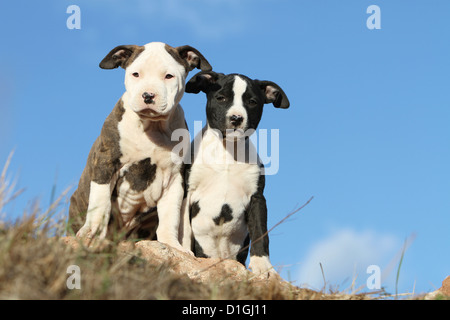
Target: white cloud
(344, 255)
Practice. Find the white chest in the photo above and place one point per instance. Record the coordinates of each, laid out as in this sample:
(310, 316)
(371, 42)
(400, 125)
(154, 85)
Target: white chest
(147, 166)
(222, 192)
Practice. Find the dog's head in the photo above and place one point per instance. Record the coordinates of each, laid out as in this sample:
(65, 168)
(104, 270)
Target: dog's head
(155, 75)
(235, 102)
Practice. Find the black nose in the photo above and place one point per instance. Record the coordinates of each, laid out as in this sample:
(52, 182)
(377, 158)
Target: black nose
(148, 97)
(236, 120)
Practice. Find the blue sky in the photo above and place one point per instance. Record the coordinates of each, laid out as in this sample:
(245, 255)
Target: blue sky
(367, 133)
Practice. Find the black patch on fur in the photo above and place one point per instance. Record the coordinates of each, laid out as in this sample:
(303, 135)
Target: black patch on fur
(185, 171)
(256, 217)
(141, 174)
(220, 97)
(216, 110)
(243, 253)
(224, 216)
(198, 250)
(194, 210)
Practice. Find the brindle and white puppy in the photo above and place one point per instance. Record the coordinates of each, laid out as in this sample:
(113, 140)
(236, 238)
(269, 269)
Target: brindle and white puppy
(129, 170)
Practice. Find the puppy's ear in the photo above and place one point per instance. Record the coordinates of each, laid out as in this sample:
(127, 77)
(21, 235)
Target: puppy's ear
(192, 58)
(202, 81)
(274, 94)
(121, 56)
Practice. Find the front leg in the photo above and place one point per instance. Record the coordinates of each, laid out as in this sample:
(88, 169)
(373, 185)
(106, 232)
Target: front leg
(169, 214)
(99, 211)
(101, 174)
(257, 226)
(185, 230)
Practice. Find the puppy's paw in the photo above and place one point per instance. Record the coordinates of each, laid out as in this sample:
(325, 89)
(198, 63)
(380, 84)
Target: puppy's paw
(84, 232)
(89, 231)
(184, 250)
(176, 245)
(262, 268)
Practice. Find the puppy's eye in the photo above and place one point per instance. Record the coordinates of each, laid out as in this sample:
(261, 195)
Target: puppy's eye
(169, 76)
(252, 102)
(135, 74)
(221, 98)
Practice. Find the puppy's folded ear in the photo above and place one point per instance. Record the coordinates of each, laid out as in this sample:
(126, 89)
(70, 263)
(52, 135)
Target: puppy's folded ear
(202, 81)
(121, 56)
(274, 94)
(192, 58)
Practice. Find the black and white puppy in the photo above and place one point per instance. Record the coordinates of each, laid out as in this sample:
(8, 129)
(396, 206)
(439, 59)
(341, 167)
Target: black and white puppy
(225, 181)
(129, 171)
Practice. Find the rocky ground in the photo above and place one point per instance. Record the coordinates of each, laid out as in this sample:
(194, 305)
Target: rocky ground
(202, 270)
(36, 262)
(216, 271)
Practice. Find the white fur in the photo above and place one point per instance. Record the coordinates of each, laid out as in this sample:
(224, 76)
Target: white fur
(216, 179)
(239, 88)
(261, 266)
(142, 138)
(153, 64)
(98, 211)
(218, 176)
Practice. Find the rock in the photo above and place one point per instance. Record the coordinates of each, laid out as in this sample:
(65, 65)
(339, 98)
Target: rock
(205, 270)
(195, 268)
(157, 253)
(445, 289)
(442, 291)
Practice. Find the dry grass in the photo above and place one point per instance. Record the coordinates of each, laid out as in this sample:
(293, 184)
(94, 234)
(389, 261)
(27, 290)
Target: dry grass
(33, 265)
(34, 262)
